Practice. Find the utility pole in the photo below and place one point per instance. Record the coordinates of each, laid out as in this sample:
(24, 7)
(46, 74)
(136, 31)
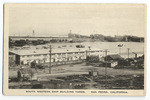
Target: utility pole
(128, 52)
(106, 68)
(50, 51)
(79, 55)
(119, 50)
(89, 49)
(86, 54)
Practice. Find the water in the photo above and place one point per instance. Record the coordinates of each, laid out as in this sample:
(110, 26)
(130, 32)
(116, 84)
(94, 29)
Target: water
(112, 47)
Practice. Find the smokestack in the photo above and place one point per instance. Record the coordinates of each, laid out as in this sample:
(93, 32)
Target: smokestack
(70, 31)
(33, 33)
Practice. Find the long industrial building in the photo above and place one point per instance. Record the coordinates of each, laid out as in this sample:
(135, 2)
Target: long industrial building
(23, 57)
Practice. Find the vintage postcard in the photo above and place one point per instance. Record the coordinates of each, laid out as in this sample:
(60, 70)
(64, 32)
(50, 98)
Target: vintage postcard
(75, 49)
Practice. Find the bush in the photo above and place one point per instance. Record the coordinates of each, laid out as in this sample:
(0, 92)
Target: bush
(92, 59)
(35, 65)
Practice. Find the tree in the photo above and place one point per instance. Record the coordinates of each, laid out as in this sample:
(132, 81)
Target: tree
(92, 59)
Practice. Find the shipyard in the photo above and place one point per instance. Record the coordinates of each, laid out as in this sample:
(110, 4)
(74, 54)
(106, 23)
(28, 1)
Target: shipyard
(75, 64)
(75, 49)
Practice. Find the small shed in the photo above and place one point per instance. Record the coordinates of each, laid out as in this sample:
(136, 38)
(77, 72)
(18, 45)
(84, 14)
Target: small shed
(93, 73)
(111, 64)
(25, 74)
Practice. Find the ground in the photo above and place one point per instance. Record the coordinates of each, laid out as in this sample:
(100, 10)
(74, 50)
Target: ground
(80, 68)
(76, 76)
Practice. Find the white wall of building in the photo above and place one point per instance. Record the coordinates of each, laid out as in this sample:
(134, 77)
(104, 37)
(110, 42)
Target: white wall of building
(57, 57)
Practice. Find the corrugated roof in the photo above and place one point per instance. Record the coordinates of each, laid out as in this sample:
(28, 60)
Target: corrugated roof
(46, 51)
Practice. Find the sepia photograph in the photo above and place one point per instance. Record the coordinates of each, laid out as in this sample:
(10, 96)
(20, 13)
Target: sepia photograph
(80, 47)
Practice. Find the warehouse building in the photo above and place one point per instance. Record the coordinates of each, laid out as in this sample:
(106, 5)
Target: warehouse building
(23, 57)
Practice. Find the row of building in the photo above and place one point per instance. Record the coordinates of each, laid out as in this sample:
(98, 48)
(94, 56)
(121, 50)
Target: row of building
(40, 56)
(25, 57)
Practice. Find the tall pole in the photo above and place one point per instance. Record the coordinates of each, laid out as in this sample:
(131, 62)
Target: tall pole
(79, 55)
(89, 49)
(86, 54)
(128, 52)
(119, 50)
(106, 68)
(50, 51)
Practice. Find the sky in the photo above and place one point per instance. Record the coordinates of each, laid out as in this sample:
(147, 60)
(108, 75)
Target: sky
(85, 19)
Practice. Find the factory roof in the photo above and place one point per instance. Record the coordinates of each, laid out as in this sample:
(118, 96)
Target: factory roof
(47, 51)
